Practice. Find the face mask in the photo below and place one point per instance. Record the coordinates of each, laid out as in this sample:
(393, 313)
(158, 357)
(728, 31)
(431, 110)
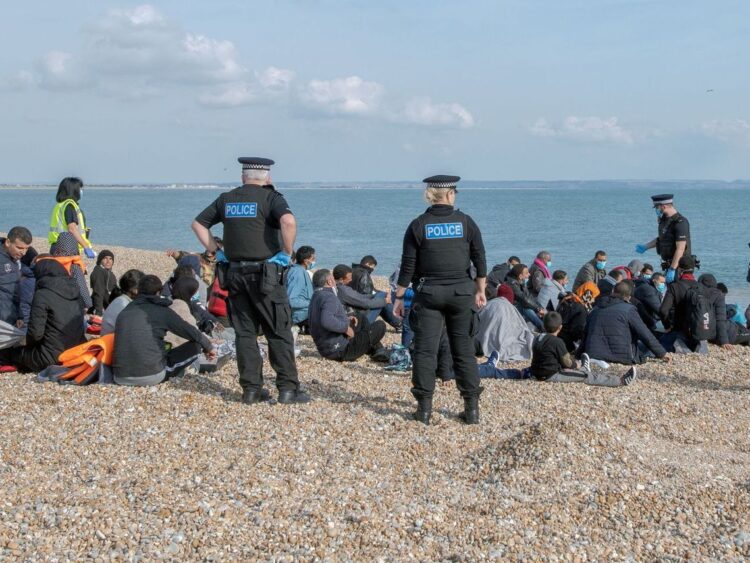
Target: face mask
(661, 287)
(549, 265)
(196, 297)
(646, 277)
(601, 264)
(658, 212)
(311, 265)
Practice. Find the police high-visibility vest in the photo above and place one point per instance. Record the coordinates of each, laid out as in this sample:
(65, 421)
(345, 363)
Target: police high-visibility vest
(57, 223)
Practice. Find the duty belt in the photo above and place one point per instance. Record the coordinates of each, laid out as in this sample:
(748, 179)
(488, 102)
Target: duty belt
(247, 267)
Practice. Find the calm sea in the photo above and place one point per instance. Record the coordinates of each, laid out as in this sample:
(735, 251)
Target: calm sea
(343, 222)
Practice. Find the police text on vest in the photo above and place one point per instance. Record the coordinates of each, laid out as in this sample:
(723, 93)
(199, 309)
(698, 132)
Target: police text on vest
(240, 210)
(444, 230)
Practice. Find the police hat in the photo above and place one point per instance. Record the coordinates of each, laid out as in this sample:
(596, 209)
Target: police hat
(255, 163)
(662, 199)
(441, 181)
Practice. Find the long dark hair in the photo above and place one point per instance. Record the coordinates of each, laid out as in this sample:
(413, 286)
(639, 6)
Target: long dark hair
(69, 188)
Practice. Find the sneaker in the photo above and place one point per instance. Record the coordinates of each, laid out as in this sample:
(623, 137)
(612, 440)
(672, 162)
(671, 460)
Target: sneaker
(494, 358)
(585, 363)
(629, 376)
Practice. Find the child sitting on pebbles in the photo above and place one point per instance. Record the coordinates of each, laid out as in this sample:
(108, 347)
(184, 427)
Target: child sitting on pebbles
(551, 361)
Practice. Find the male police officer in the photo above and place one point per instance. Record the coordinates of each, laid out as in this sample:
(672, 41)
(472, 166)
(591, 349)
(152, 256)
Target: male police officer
(259, 233)
(673, 239)
(439, 248)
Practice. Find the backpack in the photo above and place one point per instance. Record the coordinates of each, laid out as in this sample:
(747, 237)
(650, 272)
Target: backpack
(702, 321)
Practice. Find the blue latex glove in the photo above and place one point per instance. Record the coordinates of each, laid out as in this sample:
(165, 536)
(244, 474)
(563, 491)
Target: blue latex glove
(89, 252)
(281, 259)
(670, 275)
(220, 256)
(640, 248)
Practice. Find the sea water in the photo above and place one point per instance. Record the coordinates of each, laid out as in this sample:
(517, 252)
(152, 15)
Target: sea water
(344, 222)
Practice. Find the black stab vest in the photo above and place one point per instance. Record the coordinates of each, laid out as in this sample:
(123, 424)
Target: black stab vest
(248, 232)
(666, 240)
(443, 254)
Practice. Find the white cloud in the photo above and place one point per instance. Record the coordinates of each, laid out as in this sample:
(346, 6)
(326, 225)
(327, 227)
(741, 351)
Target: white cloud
(136, 54)
(733, 131)
(585, 129)
(344, 96)
(423, 111)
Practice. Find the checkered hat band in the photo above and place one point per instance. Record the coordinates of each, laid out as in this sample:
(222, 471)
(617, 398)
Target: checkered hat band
(442, 185)
(255, 167)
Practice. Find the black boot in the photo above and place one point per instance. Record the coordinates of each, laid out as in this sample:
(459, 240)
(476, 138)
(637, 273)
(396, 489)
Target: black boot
(252, 396)
(471, 410)
(424, 411)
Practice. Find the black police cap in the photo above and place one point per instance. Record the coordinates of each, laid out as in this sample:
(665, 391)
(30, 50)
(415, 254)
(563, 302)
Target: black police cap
(662, 199)
(255, 163)
(442, 181)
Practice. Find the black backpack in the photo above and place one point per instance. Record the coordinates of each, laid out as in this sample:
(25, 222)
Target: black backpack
(702, 318)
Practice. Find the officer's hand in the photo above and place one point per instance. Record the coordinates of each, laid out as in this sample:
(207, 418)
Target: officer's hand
(398, 309)
(349, 332)
(89, 252)
(280, 259)
(480, 299)
(220, 256)
(671, 273)
(211, 354)
(640, 248)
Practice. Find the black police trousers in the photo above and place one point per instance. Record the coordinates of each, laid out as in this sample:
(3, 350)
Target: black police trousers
(249, 311)
(435, 307)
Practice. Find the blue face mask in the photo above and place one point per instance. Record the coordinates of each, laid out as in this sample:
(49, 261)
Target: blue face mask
(659, 212)
(311, 265)
(646, 277)
(601, 264)
(549, 265)
(661, 287)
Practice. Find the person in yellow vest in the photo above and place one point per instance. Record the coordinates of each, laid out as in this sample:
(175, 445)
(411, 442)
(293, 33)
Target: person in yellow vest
(68, 217)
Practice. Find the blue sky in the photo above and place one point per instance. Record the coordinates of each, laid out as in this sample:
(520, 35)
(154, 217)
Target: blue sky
(375, 90)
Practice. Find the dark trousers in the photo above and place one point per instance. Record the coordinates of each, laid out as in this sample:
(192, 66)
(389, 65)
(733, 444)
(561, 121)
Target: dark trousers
(366, 340)
(434, 307)
(252, 310)
(181, 357)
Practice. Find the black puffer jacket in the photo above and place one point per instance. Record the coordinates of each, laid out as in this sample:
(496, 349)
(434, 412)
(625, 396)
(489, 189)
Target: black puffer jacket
(718, 303)
(56, 321)
(362, 279)
(650, 299)
(613, 331)
(139, 336)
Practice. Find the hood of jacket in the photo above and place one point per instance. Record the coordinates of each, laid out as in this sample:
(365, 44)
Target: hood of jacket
(361, 267)
(154, 299)
(707, 280)
(609, 301)
(52, 276)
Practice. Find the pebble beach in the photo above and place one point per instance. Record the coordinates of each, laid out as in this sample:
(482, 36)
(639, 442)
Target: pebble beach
(659, 470)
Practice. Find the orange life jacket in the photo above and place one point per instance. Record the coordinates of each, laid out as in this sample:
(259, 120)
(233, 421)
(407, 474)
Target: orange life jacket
(85, 359)
(66, 262)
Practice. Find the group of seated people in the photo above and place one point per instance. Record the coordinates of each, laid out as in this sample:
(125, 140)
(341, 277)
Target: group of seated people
(619, 316)
(46, 308)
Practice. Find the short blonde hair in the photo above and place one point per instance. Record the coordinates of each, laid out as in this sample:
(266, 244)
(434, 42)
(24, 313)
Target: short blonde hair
(436, 195)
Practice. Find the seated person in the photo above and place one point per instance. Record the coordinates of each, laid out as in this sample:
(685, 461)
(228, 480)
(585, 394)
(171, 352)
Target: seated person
(607, 284)
(338, 336)
(12, 249)
(503, 330)
(717, 302)
(141, 357)
(497, 276)
(103, 281)
(126, 291)
(649, 292)
(187, 266)
(206, 321)
(66, 252)
(552, 289)
(369, 306)
(56, 321)
(27, 285)
(592, 271)
(737, 332)
(678, 312)
(539, 271)
(206, 259)
(362, 275)
(299, 285)
(647, 272)
(524, 302)
(551, 360)
(574, 309)
(614, 330)
(183, 290)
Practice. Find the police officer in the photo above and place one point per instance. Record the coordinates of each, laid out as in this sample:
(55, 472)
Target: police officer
(259, 234)
(440, 247)
(673, 239)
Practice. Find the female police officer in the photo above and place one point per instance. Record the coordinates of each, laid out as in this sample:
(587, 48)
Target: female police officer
(439, 247)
